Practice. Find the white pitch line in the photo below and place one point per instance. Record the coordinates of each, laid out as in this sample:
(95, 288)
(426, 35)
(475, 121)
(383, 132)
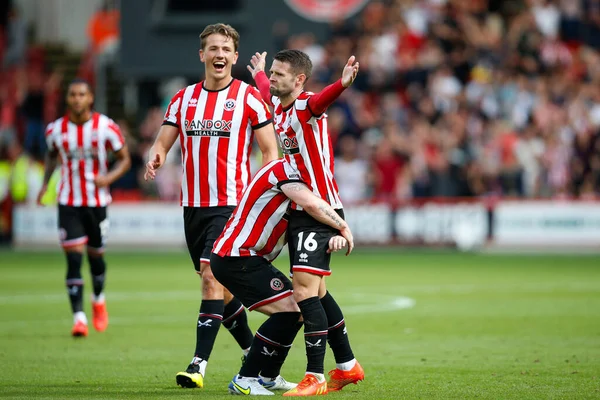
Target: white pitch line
(533, 287)
(398, 303)
(375, 304)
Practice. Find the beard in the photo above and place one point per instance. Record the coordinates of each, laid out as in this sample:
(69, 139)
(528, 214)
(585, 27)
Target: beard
(279, 92)
(78, 112)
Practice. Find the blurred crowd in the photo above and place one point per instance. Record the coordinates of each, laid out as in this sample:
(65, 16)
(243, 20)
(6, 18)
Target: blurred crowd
(466, 98)
(454, 99)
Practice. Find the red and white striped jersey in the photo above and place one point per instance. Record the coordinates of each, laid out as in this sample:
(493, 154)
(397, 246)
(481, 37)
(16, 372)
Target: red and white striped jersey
(258, 224)
(83, 151)
(216, 134)
(307, 147)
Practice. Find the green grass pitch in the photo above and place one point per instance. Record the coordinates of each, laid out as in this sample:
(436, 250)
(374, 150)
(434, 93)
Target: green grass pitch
(424, 325)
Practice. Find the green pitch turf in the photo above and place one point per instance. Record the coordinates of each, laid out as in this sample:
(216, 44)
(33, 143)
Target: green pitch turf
(424, 325)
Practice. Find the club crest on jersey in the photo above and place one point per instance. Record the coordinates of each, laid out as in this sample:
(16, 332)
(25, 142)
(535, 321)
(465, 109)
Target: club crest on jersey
(208, 127)
(229, 104)
(289, 145)
(276, 284)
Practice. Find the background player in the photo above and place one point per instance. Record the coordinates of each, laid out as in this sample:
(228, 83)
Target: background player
(301, 123)
(83, 139)
(241, 260)
(216, 121)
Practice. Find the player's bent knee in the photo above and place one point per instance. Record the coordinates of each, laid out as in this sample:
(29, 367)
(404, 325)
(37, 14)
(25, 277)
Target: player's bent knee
(227, 296)
(211, 288)
(79, 248)
(305, 291)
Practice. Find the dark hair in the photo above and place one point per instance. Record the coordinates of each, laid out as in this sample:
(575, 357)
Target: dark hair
(223, 29)
(298, 60)
(77, 81)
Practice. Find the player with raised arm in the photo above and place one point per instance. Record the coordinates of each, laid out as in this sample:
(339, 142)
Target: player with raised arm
(83, 140)
(215, 121)
(301, 124)
(241, 261)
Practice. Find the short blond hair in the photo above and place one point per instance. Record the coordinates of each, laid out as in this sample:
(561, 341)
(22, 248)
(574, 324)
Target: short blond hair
(222, 29)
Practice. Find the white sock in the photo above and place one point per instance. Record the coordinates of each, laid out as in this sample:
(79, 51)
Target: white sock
(320, 377)
(201, 364)
(99, 298)
(347, 366)
(79, 316)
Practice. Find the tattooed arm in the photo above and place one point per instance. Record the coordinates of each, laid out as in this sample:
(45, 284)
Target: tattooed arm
(318, 208)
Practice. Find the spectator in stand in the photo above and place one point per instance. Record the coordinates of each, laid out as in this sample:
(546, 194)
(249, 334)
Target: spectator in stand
(351, 172)
(104, 35)
(16, 39)
(103, 28)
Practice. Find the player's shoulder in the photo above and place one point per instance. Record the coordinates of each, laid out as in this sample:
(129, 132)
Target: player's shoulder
(102, 120)
(301, 102)
(188, 89)
(245, 87)
(50, 128)
(55, 126)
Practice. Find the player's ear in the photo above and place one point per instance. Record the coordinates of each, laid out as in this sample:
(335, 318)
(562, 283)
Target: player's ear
(301, 79)
(201, 54)
(235, 57)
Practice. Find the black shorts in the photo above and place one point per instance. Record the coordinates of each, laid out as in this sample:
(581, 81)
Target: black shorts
(308, 242)
(253, 280)
(81, 225)
(202, 226)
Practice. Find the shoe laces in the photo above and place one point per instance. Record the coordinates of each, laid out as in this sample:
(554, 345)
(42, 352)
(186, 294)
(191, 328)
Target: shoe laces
(308, 381)
(193, 369)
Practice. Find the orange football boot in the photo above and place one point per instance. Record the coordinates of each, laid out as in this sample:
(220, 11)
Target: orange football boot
(338, 378)
(309, 386)
(79, 329)
(99, 316)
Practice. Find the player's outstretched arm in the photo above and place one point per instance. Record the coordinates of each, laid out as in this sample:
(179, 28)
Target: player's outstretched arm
(167, 135)
(50, 163)
(319, 102)
(257, 69)
(318, 208)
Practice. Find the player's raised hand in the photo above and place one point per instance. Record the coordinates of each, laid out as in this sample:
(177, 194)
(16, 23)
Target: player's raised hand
(258, 61)
(350, 71)
(151, 167)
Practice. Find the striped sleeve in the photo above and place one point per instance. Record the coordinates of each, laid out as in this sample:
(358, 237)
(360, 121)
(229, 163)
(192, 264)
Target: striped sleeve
(259, 113)
(173, 114)
(114, 136)
(50, 138)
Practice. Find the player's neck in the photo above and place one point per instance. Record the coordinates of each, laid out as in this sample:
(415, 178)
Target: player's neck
(290, 98)
(217, 84)
(81, 118)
